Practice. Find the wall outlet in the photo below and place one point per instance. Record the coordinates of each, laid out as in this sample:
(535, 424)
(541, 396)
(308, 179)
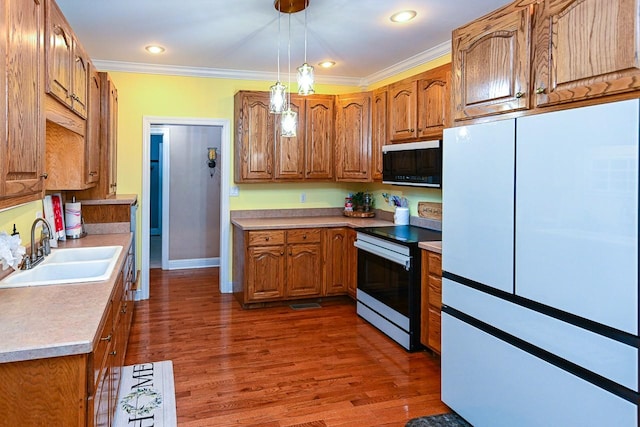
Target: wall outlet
(234, 191)
(303, 197)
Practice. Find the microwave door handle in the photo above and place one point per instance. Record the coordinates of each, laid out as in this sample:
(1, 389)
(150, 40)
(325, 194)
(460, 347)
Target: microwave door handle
(392, 256)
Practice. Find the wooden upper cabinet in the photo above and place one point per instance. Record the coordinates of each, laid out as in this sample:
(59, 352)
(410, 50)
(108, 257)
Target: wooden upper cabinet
(353, 137)
(109, 137)
(491, 63)
(585, 49)
(59, 51)
(433, 95)
(403, 110)
(255, 137)
(289, 151)
(80, 80)
(21, 93)
(92, 137)
(378, 131)
(318, 131)
(419, 105)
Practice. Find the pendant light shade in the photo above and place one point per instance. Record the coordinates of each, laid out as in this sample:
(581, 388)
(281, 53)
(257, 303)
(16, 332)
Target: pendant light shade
(305, 79)
(277, 98)
(305, 71)
(289, 123)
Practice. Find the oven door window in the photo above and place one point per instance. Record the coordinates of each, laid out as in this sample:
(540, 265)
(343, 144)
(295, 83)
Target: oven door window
(384, 280)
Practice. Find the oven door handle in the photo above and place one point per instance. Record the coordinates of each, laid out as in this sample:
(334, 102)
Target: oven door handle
(392, 256)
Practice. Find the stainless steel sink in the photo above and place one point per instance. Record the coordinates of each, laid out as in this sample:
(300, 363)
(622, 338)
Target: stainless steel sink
(93, 264)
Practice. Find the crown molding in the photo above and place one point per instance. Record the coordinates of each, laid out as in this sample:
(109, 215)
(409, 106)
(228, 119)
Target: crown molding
(219, 73)
(416, 60)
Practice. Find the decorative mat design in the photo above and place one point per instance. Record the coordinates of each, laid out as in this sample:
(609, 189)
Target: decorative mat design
(442, 420)
(146, 396)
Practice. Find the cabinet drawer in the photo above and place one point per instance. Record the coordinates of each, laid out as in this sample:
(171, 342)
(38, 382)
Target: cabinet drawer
(103, 344)
(434, 329)
(435, 263)
(435, 291)
(264, 238)
(305, 235)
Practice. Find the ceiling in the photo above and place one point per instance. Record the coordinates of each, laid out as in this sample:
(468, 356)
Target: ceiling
(240, 37)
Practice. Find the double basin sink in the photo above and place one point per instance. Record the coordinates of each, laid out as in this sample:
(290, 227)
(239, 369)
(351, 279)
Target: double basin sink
(72, 265)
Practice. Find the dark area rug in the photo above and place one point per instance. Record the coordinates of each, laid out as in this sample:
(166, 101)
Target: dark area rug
(442, 420)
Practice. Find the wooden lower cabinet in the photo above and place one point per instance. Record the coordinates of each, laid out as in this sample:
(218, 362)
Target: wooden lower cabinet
(340, 261)
(77, 390)
(293, 264)
(431, 300)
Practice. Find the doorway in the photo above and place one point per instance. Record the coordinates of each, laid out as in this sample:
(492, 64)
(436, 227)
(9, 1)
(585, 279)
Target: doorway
(185, 201)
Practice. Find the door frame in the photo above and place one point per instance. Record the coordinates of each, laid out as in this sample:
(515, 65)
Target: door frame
(164, 132)
(224, 163)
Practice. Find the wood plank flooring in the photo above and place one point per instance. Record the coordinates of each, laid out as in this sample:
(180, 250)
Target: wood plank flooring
(276, 367)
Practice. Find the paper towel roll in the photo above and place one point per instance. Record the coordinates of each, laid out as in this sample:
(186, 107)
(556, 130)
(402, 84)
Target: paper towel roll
(73, 219)
(401, 216)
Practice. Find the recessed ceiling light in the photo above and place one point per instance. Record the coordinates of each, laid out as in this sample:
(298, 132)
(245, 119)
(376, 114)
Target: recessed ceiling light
(403, 16)
(327, 64)
(154, 49)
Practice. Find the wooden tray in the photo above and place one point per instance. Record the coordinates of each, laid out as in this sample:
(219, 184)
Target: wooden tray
(430, 210)
(357, 214)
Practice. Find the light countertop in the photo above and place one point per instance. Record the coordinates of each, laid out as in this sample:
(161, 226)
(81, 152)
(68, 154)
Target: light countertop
(307, 222)
(57, 320)
(431, 246)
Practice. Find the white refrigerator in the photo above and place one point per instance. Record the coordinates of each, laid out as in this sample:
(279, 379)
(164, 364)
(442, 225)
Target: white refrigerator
(540, 269)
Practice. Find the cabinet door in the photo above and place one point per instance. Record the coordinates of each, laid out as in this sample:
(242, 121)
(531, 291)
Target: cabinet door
(402, 110)
(352, 257)
(378, 131)
(80, 80)
(21, 85)
(491, 63)
(337, 261)
(353, 137)
(585, 49)
(255, 137)
(318, 132)
(304, 270)
(433, 103)
(289, 151)
(109, 130)
(265, 273)
(59, 53)
(92, 138)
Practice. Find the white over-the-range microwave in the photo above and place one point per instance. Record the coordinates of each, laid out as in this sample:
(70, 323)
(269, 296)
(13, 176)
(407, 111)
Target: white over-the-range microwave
(415, 164)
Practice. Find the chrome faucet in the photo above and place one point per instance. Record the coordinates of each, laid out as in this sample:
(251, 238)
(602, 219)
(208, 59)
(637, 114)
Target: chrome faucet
(38, 253)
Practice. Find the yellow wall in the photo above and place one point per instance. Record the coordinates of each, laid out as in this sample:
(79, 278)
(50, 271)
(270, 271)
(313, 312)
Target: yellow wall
(195, 97)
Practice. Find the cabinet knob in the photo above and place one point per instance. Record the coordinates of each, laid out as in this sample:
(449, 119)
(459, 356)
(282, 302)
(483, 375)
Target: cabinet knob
(540, 90)
(267, 238)
(304, 236)
(44, 175)
(519, 95)
(93, 173)
(107, 338)
(281, 252)
(412, 130)
(113, 353)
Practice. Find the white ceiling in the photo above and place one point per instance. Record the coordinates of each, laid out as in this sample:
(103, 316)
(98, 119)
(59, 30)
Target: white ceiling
(240, 37)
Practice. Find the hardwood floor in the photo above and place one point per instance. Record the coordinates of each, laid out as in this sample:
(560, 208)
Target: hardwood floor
(276, 366)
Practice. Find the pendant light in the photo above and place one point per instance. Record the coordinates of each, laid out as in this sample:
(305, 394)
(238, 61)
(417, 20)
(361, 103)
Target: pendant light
(289, 119)
(278, 95)
(305, 71)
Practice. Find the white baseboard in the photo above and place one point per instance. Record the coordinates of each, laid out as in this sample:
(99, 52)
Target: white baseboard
(178, 264)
